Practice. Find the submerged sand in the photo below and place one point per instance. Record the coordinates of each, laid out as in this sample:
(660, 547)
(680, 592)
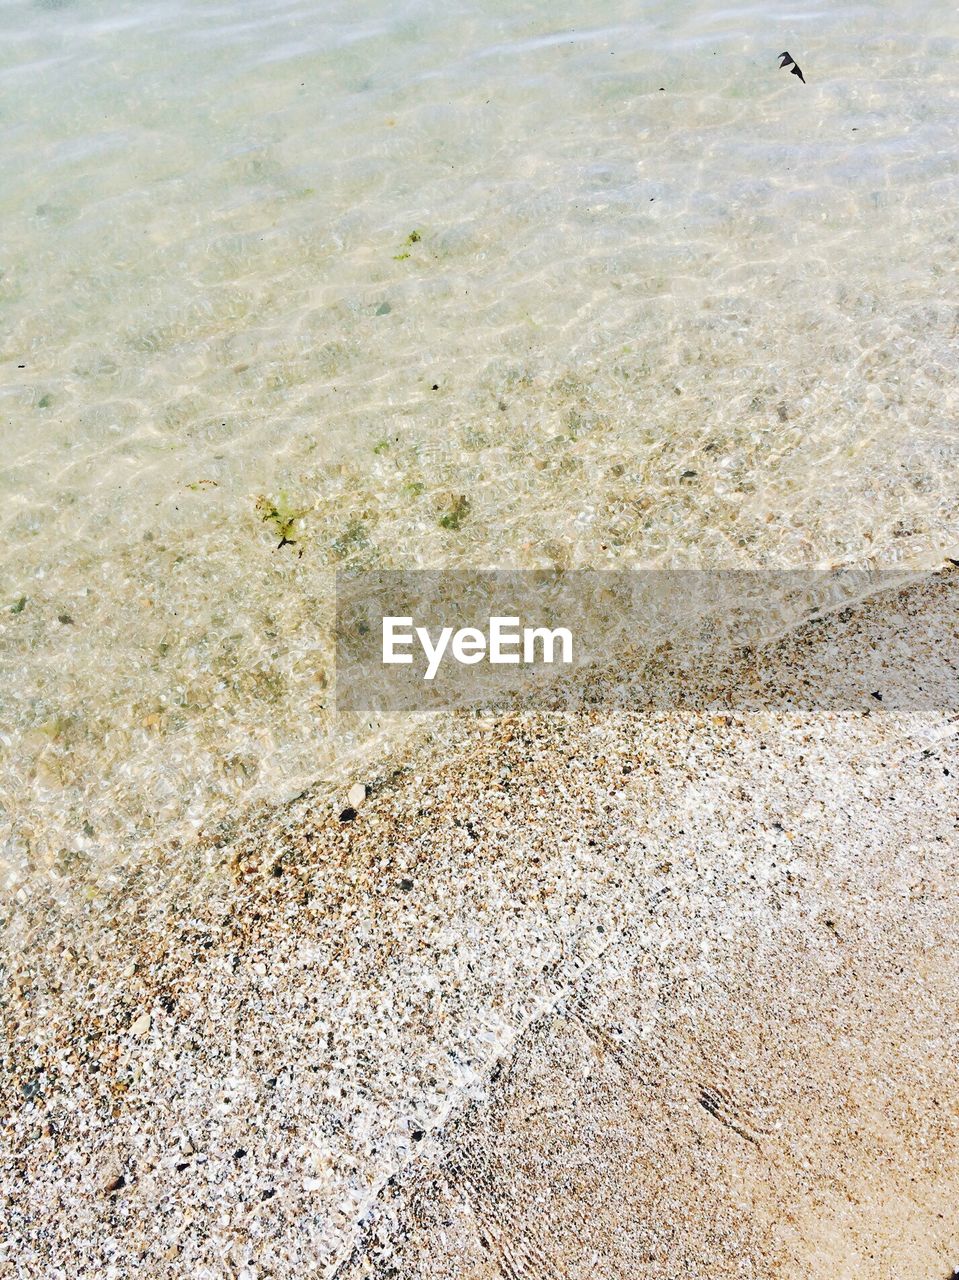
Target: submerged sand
(608, 994)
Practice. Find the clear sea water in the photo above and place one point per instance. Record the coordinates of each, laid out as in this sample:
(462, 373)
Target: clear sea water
(467, 284)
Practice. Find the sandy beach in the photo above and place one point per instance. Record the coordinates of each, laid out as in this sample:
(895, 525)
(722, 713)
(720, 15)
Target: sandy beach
(603, 994)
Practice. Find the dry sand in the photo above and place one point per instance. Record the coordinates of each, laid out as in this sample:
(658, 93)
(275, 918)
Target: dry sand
(605, 994)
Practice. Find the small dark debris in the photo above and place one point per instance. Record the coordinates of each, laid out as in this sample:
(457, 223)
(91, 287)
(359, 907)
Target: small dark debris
(20, 605)
(268, 1194)
(31, 1089)
(348, 814)
(689, 475)
(239, 1153)
(789, 61)
(418, 1135)
(435, 387)
(406, 884)
(877, 695)
(65, 619)
(118, 1183)
(184, 1164)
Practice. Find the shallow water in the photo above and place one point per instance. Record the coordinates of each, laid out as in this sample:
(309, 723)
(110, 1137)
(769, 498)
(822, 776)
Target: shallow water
(484, 285)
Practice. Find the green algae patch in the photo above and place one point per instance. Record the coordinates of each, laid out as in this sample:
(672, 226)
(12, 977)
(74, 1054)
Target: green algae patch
(413, 238)
(353, 538)
(281, 515)
(454, 512)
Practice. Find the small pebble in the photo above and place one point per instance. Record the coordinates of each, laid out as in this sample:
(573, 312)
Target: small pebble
(357, 794)
(141, 1025)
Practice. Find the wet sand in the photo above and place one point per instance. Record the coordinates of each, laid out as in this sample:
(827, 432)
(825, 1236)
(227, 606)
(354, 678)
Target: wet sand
(611, 994)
